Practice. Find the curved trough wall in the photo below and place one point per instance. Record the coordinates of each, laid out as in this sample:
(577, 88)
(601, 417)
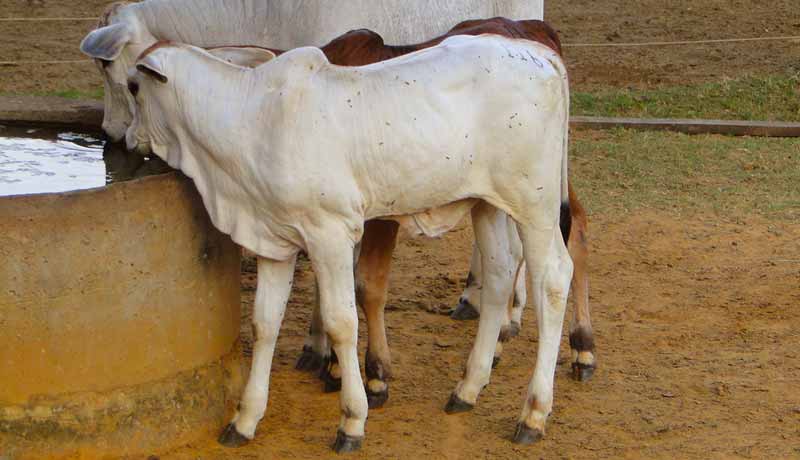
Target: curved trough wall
(119, 320)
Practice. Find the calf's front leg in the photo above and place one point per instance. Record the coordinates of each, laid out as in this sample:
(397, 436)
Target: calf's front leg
(331, 255)
(272, 293)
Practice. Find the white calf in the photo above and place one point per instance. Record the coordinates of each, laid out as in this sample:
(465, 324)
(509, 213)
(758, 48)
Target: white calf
(297, 154)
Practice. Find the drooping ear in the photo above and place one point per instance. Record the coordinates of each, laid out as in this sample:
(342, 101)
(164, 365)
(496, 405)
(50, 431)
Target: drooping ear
(107, 42)
(245, 56)
(152, 67)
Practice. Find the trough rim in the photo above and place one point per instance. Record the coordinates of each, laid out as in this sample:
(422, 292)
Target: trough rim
(58, 112)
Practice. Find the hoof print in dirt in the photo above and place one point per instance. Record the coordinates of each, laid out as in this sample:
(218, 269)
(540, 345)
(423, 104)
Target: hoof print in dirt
(456, 405)
(345, 443)
(464, 311)
(526, 435)
(377, 400)
(309, 360)
(582, 372)
(232, 438)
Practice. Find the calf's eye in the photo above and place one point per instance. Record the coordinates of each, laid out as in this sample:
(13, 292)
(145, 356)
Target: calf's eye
(133, 87)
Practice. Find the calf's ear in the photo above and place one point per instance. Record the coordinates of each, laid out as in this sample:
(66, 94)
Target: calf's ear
(106, 42)
(152, 68)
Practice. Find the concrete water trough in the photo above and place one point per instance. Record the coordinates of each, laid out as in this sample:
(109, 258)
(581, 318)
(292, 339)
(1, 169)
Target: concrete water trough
(119, 302)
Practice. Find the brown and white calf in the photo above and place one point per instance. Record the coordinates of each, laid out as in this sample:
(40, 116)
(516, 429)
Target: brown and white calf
(361, 47)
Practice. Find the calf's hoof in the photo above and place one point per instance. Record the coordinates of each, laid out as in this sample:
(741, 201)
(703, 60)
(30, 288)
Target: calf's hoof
(456, 405)
(464, 311)
(526, 435)
(376, 400)
(232, 438)
(330, 383)
(345, 443)
(582, 372)
(309, 360)
(509, 331)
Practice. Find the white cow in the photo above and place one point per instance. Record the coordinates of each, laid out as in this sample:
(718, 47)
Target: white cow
(127, 29)
(298, 153)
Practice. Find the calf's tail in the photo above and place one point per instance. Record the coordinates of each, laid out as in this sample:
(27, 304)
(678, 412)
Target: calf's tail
(565, 218)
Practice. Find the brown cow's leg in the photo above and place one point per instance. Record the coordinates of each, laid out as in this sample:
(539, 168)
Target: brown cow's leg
(372, 282)
(581, 339)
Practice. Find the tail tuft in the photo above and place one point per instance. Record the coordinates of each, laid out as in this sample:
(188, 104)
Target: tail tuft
(565, 221)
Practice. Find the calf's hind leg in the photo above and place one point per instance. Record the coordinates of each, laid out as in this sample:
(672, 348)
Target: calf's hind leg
(272, 293)
(549, 273)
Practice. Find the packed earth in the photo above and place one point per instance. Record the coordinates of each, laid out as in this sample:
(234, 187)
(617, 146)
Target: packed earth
(694, 295)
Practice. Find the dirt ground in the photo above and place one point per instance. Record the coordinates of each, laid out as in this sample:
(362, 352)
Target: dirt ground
(695, 315)
(697, 334)
(578, 21)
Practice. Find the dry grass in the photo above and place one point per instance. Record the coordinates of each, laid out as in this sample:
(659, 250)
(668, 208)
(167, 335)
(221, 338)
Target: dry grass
(619, 171)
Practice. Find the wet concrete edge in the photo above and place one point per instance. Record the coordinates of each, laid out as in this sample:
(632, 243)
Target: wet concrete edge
(51, 110)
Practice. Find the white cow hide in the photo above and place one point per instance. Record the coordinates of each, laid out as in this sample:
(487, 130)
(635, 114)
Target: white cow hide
(129, 28)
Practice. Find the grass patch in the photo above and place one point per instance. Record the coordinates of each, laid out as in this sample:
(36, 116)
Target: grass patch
(75, 94)
(68, 93)
(751, 98)
(754, 98)
(619, 171)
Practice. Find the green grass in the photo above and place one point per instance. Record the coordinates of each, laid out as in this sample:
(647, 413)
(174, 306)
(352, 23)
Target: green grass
(68, 93)
(75, 94)
(619, 171)
(752, 98)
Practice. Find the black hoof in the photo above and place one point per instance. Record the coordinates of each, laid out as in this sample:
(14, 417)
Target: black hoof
(526, 435)
(345, 443)
(232, 438)
(456, 405)
(377, 400)
(464, 311)
(309, 360)
(495, 361)
(582, 372)
(331, 385)
(509, 331)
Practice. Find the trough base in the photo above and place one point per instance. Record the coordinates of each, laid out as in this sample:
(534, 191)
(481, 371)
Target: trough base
(136, 421)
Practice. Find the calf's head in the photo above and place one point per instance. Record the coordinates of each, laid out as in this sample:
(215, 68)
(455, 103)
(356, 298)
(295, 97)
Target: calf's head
(151, 95)
(154, 104)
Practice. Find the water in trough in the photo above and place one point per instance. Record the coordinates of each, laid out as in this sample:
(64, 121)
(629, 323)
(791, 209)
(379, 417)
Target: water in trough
(49, 160)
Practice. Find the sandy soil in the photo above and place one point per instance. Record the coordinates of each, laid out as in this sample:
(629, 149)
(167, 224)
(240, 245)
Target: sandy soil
(696, 334)
(579, 21)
